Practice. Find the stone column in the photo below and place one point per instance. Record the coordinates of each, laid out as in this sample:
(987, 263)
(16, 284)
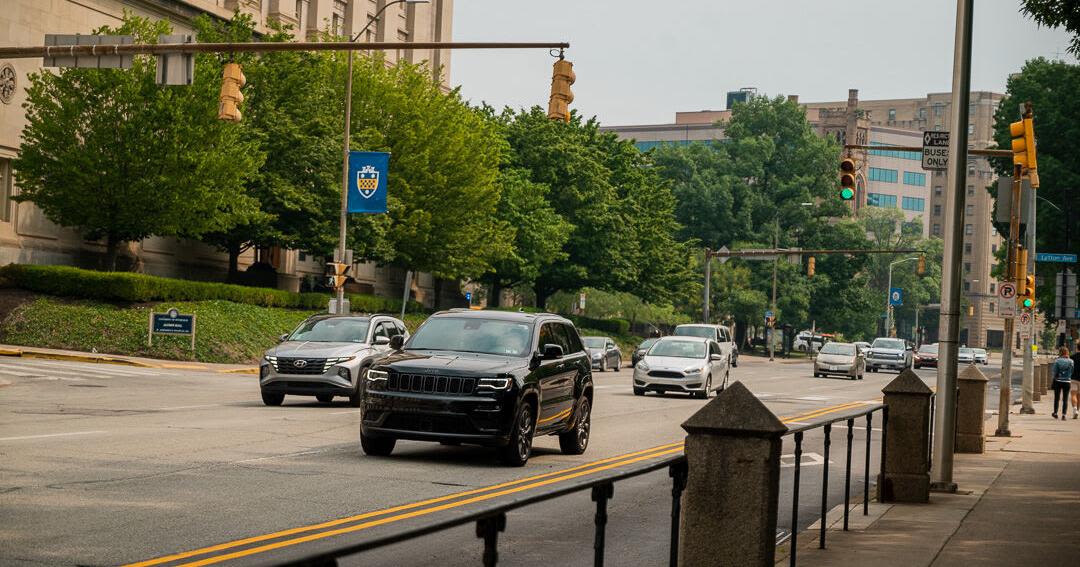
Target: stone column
(729, 506)
(1044, 371)
(1036, 393)
(905, 473)
(971, 411)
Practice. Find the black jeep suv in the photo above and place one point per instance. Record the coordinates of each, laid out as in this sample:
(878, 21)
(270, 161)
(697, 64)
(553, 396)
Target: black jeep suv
(481, 377)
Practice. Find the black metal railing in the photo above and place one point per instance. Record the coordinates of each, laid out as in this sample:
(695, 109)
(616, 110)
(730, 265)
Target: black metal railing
(826, 427)
(490, 519)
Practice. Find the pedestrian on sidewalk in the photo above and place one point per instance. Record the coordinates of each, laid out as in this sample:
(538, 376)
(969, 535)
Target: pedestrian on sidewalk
(1075, 386)
(1062, 371)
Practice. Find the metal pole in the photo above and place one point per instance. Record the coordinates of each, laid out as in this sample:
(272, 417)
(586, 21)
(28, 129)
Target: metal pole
(888, 305)
(343, 219)
(772, 327)
(1028, 381)
(708, 284)
(945, 426)
(1012, 270)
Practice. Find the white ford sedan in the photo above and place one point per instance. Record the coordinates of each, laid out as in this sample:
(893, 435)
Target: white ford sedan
(694, 365)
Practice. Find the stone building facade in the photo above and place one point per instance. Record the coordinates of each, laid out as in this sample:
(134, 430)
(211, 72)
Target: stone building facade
(26, 236)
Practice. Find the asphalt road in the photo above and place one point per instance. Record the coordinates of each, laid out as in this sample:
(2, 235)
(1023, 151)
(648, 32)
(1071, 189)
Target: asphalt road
(105, 465)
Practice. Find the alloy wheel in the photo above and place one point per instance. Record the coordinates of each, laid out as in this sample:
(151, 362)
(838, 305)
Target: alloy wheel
(583, 425)
(524, 440)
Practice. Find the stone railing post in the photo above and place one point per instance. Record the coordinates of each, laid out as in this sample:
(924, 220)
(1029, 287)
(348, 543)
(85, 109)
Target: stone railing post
(1044, 372)
(729, 506)
(905, 475)
(971, 411)
(1036, 393)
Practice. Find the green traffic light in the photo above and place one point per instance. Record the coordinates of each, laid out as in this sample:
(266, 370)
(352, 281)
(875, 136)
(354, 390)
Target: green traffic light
(1028, 302)
(847, 194)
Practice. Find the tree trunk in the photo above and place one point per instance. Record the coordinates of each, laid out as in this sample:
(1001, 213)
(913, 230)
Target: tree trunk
(234, 262)
(112, 248)
(438, 285)
(496, 294)
(542, 295)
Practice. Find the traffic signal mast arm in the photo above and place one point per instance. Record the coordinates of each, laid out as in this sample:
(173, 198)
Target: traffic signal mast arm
(790, 252)
(28, 52)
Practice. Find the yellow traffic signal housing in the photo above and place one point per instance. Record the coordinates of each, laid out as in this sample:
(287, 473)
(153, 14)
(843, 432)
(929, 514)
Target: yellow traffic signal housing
(847, 179)
(922, 265)
(336, 274)
(810, 267)
(1020, 270)
(562, 76)
(1023, 143)
(1027, 299)
(232, 80)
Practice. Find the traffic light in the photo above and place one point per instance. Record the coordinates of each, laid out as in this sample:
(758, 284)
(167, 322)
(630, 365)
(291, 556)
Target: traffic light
(335, 274)
(1027, 292)
(921, 270)
(847, 179)
(1023, 143)
(562, 76)
(232, 79)
(810, 267)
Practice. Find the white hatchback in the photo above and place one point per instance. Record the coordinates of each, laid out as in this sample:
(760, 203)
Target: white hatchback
(695, 365)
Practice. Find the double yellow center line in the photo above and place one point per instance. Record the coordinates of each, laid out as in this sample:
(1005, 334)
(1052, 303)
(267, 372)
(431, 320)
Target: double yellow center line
(294, 536)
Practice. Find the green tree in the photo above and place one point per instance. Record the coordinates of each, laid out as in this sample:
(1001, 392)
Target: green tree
(1053, 88)
(117, 157)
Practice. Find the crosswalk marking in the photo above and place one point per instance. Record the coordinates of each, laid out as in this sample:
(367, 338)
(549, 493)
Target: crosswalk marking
(44, 368)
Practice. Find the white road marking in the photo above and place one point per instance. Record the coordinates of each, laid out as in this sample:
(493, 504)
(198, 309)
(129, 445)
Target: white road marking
(50, 435)
(91, 368)
(23, 374)
(808, 460)
(813, 398)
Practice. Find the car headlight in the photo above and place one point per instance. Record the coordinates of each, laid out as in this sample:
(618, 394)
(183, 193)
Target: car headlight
(692, 370)
(377, 375)
(494, 383)
(642, 366)
(339, 359)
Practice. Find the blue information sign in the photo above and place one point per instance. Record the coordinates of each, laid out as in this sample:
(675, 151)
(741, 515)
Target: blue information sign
(896, 296)
(1056, 258)
(367, 181)
(173, 323)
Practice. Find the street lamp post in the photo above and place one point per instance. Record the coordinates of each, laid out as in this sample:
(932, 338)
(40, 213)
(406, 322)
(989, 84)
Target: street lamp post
(888, 296)
(343, 219)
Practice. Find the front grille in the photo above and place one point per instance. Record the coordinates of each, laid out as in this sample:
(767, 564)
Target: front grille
(430, 384)
(666, 374)
(311, 366)
(428, 424)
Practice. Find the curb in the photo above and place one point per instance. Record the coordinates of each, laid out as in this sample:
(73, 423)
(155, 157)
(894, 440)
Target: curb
(83, 358)
(239, 371)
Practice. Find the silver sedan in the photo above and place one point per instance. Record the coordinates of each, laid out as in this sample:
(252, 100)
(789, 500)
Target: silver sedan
(844, 359)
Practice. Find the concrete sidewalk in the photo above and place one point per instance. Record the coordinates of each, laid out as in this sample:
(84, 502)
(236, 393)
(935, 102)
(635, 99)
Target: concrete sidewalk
(1019, 504)
(101, 358)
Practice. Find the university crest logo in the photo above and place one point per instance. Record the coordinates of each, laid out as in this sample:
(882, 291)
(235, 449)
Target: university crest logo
(367, 181)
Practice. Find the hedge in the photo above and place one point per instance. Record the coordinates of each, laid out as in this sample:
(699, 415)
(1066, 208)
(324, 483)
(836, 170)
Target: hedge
(614, 326)
(66, 281)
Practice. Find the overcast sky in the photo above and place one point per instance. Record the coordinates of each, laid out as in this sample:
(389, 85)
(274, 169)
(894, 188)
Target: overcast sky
(640, 61)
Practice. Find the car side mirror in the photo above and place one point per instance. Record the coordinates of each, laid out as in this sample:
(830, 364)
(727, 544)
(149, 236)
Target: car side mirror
(282, 338)
(396, 342)
(382, 340)
(552, 352)
(716, 357)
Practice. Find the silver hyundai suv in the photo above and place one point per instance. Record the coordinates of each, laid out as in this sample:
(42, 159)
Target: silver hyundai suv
(326, 356)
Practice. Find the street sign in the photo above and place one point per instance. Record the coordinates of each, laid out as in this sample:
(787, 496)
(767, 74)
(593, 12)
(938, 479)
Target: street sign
(1003, 210)
(1007, 291)
(1007, 308)
(1025, 317)
(1061, 326)
(725, 250)
(172, 322)
(896, 296)
(1057, 258)
(468, 296)
(935, 151)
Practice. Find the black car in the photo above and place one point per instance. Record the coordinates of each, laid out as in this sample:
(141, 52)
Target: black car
(481, 377)
(639, 352)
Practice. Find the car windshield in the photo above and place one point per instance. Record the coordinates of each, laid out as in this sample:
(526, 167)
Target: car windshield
(980, 351)
(645, 344)
(332, 330)
(838, 348)
(895, 344)
(703, 332)
(678, 349)
(471, 334)
(966, 351)
(929, 349)
(593, 342)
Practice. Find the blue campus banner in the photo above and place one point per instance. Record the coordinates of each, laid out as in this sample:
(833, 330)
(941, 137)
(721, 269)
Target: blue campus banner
(896, 296)
(367, 181)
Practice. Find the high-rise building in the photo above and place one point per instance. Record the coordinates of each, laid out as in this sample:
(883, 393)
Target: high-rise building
(894, 178)
(27, 236)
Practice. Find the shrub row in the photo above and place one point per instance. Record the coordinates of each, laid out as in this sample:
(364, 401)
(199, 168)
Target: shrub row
(614, 326)
(66, 281)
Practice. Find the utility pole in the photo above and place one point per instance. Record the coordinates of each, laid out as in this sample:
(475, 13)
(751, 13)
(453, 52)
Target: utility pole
(945, 424)
(772, 326)
(708, 286)
(1028, 381)
(1011, 272)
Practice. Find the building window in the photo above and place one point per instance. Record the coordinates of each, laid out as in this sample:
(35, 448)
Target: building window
(971, 129)
(337, 18)
(967, 267)
(936, 231)
(993, 289)
(883, 175)
(913, 156)
(970, 190)
(938, 110)
(969, 210)
(303, 256)
(971, 170)
(299, 10)
(922, 114)
(937, 210)
(913, 204)
(967, 286)
(937, 190)
(7, 186)
(881, 200)
(993, 248)
(913, 178)
(990, 307)
(969, 229)
(967, 248)
(892, 115)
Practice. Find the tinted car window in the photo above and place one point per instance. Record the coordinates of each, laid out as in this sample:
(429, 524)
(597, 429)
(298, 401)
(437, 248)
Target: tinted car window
(646, 343)
(594, 342)
(575, 338)
(837, 348)
(714, 348)
(895, 344)
(471, 334)
(704, 332)
(562, 338)
(332, 330)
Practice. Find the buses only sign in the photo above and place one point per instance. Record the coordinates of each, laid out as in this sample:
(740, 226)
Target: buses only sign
(935, 151)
